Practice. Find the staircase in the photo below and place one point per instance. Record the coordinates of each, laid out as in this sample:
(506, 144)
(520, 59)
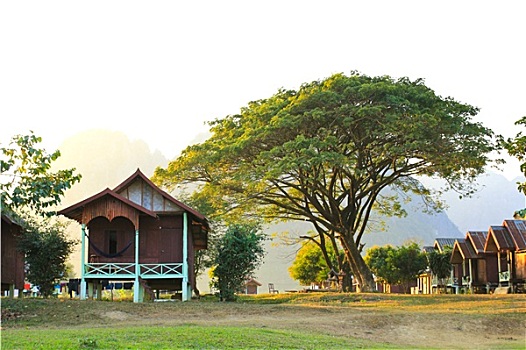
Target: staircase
(149, 295)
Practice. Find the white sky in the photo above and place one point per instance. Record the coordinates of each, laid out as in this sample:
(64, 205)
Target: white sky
(157, 70)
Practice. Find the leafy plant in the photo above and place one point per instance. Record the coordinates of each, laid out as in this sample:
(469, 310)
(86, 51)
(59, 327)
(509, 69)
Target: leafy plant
(400, 265)
(440, 264)
(240, 252)
(46, 248)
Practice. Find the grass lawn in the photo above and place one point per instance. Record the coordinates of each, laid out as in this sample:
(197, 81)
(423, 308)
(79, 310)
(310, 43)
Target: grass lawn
(179, 337)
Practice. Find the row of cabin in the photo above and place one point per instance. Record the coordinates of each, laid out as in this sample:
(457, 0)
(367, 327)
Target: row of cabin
(483, 261)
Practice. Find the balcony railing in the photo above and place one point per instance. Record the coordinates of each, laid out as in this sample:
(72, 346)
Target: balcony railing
(127, 270)
(161, 270)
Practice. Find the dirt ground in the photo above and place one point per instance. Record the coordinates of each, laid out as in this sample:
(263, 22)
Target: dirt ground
(388, 321)
(421, 329)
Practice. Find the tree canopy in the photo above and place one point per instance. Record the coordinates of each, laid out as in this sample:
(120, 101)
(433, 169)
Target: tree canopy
(27, 180)
(516, 147)
(400, 265)
(325, 152)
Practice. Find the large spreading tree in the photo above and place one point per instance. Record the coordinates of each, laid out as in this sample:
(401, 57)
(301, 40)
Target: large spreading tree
(325, 153)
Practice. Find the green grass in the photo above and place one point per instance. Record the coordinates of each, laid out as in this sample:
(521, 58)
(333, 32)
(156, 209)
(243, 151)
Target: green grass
(182, 337)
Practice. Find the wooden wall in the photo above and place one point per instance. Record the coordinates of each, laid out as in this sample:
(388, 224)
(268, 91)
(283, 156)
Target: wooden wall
(12, 260)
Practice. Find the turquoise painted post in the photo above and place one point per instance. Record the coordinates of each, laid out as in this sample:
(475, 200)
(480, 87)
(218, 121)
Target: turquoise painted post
(185, 286)
(83, 264)
(136, 287)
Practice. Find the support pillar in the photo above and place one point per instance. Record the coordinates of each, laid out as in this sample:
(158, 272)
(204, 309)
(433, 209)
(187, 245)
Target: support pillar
(90, 290)
(82, 264)
(99, 291)
(470, 283)
(186, 289)
(136, 285)
(11, 291)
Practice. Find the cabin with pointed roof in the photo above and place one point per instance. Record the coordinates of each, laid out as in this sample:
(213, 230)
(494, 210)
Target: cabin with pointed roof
(12, 260)
(476, 270)
(140, 233)
(508, 242)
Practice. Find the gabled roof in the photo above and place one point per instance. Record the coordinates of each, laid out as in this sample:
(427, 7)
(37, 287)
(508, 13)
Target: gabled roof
(477, 239)
(428, 249)
(463, 250)
(7, 218)
(252, 281)
(139, 174)
(499, 239)
(75, 211)
(517, 230)
(441, 243)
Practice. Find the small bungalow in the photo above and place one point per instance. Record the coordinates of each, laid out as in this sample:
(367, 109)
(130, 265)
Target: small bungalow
(12, 260)
(475, 269)
(427, 282)
(139, 233)
(251, 286)
(508, 242)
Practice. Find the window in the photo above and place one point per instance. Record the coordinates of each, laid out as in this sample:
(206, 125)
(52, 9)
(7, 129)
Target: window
(113, 242)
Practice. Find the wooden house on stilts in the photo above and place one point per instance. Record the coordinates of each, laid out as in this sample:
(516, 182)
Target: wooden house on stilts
(12, 260)
(140, 233)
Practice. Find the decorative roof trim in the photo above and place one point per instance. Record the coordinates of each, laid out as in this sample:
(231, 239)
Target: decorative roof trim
(138, 174)
(106, 192)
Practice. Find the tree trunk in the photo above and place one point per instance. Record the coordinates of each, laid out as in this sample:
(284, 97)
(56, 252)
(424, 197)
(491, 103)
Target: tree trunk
(362, 273)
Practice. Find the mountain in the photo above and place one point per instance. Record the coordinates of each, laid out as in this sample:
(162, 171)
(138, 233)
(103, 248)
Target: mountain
(497, 199)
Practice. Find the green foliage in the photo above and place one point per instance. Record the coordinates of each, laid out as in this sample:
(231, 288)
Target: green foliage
(28, 181)
(440, 264)
(240, 252)
(516, 147)
(326, 152)
(47, 249)
(310, 265)
(378, 260)
(400, 265)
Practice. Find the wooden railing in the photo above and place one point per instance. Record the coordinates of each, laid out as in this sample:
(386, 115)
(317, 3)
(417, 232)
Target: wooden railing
(161, 270)
(127, 270)
(109, 270)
